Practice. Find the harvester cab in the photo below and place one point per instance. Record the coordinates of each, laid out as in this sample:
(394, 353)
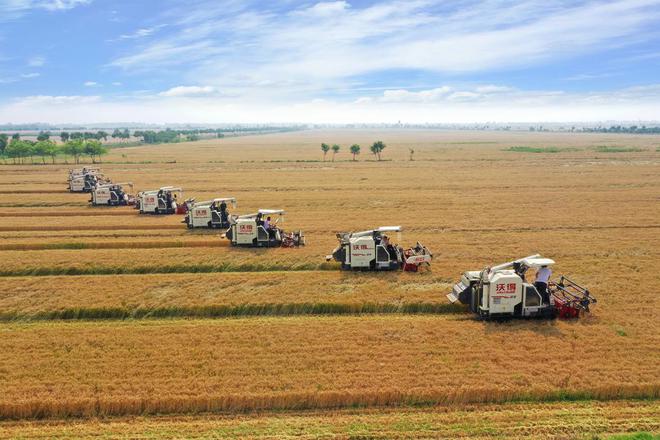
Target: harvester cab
(210, 213)
(86, 181)
(374, 250)
(256, 230)
(111, 194)
(161, 201)
(502, 292)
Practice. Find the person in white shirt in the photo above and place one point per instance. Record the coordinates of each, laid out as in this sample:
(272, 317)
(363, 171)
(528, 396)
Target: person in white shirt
(541, 283)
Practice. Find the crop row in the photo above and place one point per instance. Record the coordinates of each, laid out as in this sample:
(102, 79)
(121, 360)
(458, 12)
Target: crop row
(476, 421)
(145, 367)
(220, 295)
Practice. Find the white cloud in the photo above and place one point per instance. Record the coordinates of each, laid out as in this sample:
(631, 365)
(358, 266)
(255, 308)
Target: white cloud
(17, 7)
(141, 33)
(116, 83)
(464, 96)
(55, 5)
(324, 9)
(322, 46)
(90, 84)
(182, 91)
(631, 104)
(402, 95)
(490, 88)
(30, 75)
(55, 100)
(36, 61)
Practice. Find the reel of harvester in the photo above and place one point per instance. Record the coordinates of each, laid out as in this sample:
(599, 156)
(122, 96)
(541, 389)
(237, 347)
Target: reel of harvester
(570, 298)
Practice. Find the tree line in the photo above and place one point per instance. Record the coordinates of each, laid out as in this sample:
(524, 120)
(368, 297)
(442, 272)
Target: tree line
(19, 150)
(376, 149)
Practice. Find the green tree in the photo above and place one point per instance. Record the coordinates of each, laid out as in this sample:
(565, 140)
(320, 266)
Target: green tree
(4, 141)
(43, 136)
(412, 153)
(40, 149)
(64, 136)
(18, 149)
(101, 135)
(74, 148)
(355, 150)
(335, 150)
(325, 148)
(29, 149)
(95, 149)
(377, 148)
(52, 150)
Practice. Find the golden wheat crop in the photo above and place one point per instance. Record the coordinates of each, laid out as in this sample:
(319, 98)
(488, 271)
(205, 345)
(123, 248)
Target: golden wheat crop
(466, 199)
(78, 369)
(228, 294)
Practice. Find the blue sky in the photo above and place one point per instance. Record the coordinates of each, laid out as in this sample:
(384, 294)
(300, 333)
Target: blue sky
(214, 61)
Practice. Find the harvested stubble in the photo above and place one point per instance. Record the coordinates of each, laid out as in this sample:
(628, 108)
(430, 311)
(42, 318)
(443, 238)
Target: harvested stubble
(213, 295)
(76, 369)
(480, 421)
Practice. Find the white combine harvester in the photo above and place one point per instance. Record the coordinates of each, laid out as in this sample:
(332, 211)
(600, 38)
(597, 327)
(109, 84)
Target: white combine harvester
(161, 201)
(85, 179)
(373, 250)
(210, 213)
(255, 230)
(502, 292)
(111, 194)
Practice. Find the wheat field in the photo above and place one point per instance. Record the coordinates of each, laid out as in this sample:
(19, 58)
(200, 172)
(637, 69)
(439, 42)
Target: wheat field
(108, 314)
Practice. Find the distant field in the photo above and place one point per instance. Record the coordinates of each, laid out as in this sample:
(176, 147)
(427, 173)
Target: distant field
(106, 313)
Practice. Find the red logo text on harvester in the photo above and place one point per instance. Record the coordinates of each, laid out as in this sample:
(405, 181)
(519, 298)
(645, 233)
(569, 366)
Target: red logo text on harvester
(504, 289)
(244, 229)
(358, 247)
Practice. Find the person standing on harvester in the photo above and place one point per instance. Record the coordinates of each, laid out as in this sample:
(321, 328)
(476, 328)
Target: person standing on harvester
(541, 283)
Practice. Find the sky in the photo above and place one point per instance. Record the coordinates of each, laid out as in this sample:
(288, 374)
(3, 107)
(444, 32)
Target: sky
(412, 61)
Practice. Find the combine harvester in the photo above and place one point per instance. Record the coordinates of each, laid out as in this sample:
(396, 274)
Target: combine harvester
(373, 250)
(161, 201)
(111, 194)
(85, 180)
(502, 292)
(210, 213)
(256, 230)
